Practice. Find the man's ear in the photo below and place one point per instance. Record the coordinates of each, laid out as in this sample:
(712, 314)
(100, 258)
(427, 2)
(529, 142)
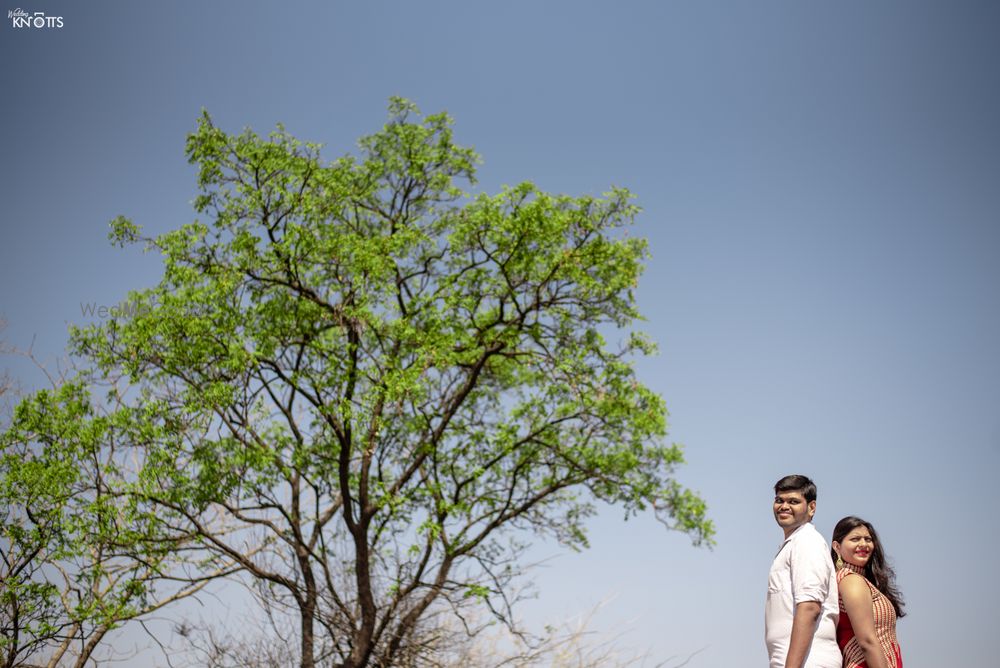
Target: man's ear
(812, 509)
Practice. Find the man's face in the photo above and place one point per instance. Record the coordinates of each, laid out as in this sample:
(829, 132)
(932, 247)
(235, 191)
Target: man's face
(791, 511)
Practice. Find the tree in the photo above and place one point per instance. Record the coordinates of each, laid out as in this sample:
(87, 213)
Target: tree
(78, 557)
(362, 384)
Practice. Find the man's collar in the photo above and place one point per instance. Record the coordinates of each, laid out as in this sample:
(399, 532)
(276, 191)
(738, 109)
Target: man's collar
(792, 535)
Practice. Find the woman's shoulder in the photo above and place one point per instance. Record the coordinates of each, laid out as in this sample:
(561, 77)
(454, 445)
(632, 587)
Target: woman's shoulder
(859, 583)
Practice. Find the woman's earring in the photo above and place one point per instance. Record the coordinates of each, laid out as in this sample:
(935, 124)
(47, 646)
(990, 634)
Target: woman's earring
(840, 562)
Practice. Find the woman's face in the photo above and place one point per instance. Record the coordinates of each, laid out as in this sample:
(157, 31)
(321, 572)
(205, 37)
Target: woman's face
(857, 546)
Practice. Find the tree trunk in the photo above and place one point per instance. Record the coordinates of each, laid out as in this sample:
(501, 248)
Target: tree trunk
(307, 609)
(308, 659)
(61, 650)
(95, 639)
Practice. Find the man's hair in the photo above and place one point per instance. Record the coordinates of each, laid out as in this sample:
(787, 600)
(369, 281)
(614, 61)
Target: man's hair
(797, 483)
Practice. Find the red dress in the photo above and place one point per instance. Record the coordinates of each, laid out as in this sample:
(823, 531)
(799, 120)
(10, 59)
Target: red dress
(885, 626)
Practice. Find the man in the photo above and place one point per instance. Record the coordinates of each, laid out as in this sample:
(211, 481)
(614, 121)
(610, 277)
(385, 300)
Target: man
(800, 620)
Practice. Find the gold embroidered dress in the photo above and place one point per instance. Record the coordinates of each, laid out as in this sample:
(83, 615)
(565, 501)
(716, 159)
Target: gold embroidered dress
(885, 625)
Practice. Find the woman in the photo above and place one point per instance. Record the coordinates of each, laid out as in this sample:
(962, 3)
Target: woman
(870, 603)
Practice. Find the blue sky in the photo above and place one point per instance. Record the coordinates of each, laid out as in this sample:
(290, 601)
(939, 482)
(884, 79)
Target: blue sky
(820, 185)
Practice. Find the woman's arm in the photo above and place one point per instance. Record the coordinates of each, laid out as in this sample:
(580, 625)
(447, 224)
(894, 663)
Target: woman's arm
(857, 599)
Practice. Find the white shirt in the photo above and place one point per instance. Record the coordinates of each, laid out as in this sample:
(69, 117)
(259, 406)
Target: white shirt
(802, 571)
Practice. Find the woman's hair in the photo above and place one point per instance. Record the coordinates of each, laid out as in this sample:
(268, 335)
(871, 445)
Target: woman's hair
(877, 570)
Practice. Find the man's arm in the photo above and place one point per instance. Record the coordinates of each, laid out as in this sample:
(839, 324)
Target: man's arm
(803, 627)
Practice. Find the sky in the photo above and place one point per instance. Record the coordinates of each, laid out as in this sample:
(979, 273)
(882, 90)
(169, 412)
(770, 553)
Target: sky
(820, 185)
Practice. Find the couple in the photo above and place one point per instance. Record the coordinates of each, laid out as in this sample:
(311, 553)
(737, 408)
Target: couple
(821, 603)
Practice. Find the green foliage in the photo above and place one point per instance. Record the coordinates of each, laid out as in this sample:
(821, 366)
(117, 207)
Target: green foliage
(80, 553)
(36, 490)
